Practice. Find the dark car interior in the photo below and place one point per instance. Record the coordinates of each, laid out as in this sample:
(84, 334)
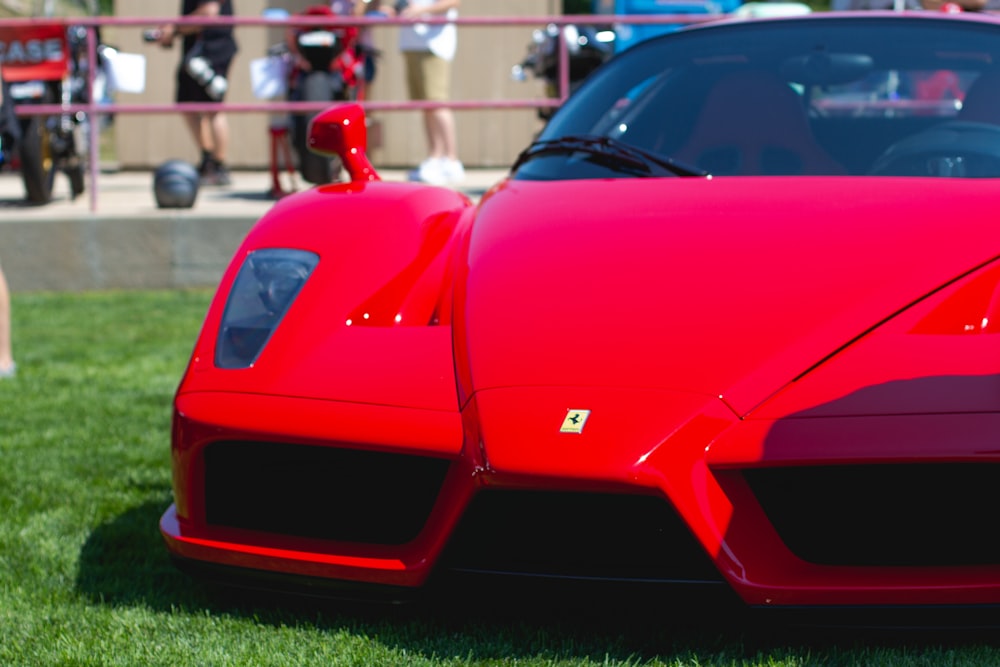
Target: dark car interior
(920, 99)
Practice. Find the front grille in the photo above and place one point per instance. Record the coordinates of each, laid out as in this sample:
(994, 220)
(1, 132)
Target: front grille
(580, 535)
(320, 492)
(888, 514)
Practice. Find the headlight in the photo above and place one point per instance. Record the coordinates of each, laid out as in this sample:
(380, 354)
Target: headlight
(264, 289)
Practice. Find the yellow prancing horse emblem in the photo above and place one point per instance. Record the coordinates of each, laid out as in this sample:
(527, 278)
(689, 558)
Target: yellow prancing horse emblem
(574, 421)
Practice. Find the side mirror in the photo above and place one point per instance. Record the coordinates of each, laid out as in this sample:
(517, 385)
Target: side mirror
(340, 131)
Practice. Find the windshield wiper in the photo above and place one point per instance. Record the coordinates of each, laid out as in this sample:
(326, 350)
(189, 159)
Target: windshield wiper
(610, 153)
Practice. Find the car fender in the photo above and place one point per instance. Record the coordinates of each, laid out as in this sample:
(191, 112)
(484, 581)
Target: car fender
(385, 251)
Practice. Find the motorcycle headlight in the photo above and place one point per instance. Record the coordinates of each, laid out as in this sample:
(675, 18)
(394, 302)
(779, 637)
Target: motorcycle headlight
(318, 38)
(264, 289)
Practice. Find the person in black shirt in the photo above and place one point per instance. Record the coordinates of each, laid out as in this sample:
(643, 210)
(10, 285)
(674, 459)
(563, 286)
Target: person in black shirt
(207, 53)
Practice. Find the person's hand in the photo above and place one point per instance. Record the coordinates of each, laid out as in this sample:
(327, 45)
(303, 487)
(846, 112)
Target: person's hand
(438, 8)
(302, 64)
(377, 7)
(404, 9)
(167, 34)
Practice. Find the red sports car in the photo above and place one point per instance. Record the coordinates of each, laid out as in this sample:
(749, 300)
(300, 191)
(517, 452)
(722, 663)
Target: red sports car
(728, 322)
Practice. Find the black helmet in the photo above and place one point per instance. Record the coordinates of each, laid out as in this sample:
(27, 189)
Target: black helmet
(175, 184)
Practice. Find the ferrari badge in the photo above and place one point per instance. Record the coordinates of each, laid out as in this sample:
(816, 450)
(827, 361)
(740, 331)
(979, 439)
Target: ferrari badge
(574, 421)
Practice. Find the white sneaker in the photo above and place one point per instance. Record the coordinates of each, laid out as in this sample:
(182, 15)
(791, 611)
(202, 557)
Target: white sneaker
(430, 171)
(8, 371)
(453, 170)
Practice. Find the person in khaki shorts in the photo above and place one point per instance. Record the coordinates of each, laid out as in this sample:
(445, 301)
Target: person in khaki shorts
(429, 50)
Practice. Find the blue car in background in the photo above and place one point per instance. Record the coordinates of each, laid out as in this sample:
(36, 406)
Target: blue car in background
(628, 35)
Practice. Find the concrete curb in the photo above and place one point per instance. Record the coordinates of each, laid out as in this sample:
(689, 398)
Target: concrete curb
(128, 243)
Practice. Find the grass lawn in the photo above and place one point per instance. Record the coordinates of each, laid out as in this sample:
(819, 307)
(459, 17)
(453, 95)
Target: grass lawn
(85, 580)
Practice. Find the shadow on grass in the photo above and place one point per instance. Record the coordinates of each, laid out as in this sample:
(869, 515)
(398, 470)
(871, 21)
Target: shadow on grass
(124, 563)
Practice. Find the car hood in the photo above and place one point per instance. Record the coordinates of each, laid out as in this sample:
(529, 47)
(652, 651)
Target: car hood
(719, 287)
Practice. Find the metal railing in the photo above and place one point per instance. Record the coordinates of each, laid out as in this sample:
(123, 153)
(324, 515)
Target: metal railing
(95, 108)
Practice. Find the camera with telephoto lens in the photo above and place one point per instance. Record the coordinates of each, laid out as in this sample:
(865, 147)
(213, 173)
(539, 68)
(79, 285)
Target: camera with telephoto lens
(152, 35)
(201, 70)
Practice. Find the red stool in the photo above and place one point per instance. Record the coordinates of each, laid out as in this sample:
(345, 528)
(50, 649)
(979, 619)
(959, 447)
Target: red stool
(280, 148)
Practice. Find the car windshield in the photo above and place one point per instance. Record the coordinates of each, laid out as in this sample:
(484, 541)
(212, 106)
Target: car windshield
(870, 94)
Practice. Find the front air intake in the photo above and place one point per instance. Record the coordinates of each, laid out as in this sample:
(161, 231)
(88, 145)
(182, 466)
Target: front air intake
(320, 492)
(884, 515)
(562, 535)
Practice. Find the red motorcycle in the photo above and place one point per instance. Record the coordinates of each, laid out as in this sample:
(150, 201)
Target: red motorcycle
(326, 68)
(46, 64)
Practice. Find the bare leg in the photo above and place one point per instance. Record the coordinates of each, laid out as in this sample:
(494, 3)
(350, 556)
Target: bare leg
(211, 134)
(198, 128)
(440, 127)
(6, 355)
(218, 131)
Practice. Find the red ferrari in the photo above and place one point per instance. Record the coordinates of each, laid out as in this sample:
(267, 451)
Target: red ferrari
(728, 323)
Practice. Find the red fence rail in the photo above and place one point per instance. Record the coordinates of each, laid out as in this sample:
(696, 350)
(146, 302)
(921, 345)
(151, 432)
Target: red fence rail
(94, 108)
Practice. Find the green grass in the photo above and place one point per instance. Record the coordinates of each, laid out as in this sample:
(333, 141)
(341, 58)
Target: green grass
(85, 580)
